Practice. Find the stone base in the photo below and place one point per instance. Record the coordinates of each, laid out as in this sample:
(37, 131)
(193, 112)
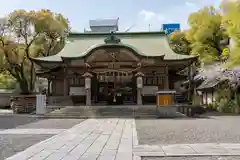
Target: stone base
(59, 101)
(167, 112)
(23, 103)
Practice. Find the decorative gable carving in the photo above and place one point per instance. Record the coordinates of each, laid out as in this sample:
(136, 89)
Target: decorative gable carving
(112, 39)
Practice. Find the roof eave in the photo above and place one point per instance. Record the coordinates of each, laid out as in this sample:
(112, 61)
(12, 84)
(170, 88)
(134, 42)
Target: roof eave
(37, 60)
(195, 58)
(46, 64)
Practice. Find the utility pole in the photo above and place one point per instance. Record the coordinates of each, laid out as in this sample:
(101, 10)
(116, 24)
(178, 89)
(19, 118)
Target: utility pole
(130, 27)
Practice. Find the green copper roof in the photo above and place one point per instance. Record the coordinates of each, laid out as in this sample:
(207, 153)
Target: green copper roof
(146, 44)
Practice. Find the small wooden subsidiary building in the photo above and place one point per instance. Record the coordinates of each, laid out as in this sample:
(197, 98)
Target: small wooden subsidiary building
(113, 68)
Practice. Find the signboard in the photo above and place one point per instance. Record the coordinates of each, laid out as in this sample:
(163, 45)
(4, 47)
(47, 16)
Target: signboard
(149, 90)
(169, 28)
(77, 91)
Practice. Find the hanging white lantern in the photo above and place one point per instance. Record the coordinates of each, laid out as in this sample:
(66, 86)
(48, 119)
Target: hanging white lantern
(139, 82)
(87, 82)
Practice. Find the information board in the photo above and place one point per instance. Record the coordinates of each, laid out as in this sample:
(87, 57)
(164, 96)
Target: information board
(169, 28)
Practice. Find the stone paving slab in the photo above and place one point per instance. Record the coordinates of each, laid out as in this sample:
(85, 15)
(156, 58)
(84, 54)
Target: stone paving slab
(183, 150)
(31, 131)
(135, 140)
(92, 139)
(176, 150)
(5, 111)
(51, 124)
(194, 158)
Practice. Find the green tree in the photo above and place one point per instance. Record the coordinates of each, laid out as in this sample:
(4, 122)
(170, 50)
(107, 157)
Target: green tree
(7, 81)
(27, 34)
(231, 22)
(205, 34)
(179, 43)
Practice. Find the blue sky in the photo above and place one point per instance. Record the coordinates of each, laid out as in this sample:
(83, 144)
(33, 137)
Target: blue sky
(139, 12)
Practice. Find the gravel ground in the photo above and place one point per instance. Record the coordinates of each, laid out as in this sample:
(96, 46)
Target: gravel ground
(11, 144)
(52, 123)
(193, 158)
(8, 122)
(221, 129)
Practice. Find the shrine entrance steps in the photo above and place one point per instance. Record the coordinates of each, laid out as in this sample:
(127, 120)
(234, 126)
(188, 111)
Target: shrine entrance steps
(118, 111)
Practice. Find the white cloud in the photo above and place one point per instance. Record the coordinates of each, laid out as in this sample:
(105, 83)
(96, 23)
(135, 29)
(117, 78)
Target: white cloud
(190, 4)
(151, 16)
(150, 20)
(147, 15)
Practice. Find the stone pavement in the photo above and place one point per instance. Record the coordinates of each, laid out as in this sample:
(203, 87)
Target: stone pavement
(113, 139)
(32, 131)
(183, 150)
(5, 111)
(102, 139)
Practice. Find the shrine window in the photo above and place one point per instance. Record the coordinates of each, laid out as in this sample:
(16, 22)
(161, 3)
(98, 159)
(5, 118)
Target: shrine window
(160, 80)
(153, 80)
(82, 81)
(76, 81)
(149, 80)
(144, 80)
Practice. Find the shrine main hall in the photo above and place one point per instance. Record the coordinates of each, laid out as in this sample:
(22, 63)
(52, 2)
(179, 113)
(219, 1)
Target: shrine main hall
(113, 68)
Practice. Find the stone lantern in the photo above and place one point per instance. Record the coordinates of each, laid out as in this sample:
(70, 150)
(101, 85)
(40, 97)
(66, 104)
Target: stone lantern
(88, 77)
(139, 76)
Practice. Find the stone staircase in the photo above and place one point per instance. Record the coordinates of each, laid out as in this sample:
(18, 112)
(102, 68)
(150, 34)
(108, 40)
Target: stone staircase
(180, 98)
(124, 111)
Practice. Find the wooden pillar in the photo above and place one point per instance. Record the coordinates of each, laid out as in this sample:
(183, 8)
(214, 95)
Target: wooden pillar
(65, 82)
(166, 79)
(88, 77)
(48, 87)
(53, 86)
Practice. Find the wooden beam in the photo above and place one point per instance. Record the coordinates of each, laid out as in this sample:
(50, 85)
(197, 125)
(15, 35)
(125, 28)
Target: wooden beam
(166, 83)
(48, 85)
(65, 82)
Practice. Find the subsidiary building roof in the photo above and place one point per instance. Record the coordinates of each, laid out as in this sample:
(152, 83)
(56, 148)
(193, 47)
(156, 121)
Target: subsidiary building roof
(103, 22)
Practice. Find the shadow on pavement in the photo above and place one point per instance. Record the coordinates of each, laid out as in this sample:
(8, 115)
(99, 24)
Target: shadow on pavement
(12, 121)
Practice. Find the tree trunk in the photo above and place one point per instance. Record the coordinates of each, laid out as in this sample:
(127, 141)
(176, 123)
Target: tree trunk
(24, 87)
(32, 77)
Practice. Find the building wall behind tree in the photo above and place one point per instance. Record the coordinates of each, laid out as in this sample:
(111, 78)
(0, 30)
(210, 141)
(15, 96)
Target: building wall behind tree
(103, 29)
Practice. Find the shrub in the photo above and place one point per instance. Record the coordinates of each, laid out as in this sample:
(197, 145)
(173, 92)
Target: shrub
(225, 105)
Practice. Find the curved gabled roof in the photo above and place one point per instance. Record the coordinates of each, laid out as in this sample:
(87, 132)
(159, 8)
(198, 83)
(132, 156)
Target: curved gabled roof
(143, 44)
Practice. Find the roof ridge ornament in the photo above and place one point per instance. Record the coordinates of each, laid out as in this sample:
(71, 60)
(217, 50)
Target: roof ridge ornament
(112, 39)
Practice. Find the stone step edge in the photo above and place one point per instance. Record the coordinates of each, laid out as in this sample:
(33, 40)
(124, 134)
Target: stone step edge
(163, 154)
(72, 116)
(104, 116)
